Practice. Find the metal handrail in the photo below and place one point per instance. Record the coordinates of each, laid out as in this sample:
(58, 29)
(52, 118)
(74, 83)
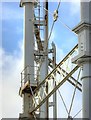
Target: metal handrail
(26, 75)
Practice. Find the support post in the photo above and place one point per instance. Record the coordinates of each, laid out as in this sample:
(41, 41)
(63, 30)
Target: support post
(28, 55)
(44, 66)
(54, 82)
(84, 57)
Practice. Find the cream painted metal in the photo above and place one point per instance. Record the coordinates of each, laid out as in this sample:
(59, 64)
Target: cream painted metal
(50, 78)
(84, 57)
(28, 53)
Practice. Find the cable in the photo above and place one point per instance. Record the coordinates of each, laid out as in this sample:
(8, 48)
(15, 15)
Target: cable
(63, 101)
(51, 31)
(62, 23)
(66, 26)
(59, 18)
(47, 11)
(52, 15)
(55, 15)
(55, 19)
(74, 93)
(77, 113)
(59, 4)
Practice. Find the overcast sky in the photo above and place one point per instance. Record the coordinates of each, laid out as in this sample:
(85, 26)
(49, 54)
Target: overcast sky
(11, 50)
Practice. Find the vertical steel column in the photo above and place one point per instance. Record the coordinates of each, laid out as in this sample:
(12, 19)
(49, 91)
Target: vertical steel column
(54, 83)
(86, 75)
(29, 39)
(44, 66)
(28, 52)
(84, 58)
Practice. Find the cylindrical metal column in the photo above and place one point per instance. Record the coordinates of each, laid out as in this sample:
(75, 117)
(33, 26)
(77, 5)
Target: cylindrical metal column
(84, 58)
(29, 39)
(28, 49)
(86, 62)
(28, 53)
(86, 11)
(86, 94)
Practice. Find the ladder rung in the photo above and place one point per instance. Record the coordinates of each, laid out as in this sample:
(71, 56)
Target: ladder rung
(41, 23)
(39, 17)
(36, 29)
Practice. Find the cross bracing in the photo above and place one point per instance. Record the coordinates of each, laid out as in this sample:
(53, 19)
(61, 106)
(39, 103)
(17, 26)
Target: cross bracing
(59, 74)
(66, 74)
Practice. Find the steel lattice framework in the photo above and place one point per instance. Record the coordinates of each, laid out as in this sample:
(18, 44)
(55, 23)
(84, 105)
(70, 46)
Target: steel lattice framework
(37, 86)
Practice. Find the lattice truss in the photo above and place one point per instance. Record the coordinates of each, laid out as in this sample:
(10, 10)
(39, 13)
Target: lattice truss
(64, 72)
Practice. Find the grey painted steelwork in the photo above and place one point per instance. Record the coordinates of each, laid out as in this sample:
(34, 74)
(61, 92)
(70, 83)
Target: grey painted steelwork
(49, 78)
(73, 81)
(84, 57)
(54, 89)
(44, 67)
(28, 54)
